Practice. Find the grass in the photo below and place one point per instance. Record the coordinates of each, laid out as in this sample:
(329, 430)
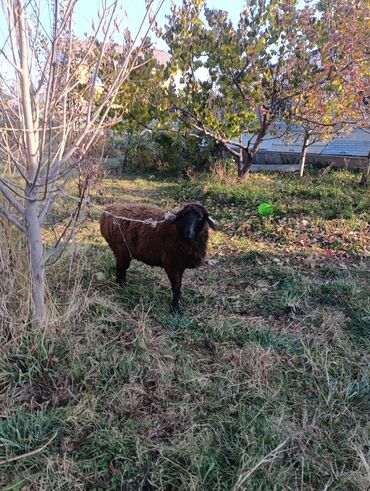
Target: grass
(264, 383)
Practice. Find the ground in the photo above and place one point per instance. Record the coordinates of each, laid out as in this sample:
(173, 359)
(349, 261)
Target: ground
(263, 384)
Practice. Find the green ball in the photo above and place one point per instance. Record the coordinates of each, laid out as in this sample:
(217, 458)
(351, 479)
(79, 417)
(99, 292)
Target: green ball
(265, 209)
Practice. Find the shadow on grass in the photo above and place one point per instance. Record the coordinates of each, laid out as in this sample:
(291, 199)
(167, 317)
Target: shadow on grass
(135, 189)
(282, 288)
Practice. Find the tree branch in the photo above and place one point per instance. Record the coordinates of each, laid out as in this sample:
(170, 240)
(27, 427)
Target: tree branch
(12, 219)
(11, 199)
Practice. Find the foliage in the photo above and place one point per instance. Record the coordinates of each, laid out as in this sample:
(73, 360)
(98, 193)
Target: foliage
(166, 151)
(331, 98)
(249, 71)
(141, 101)
(238, 80)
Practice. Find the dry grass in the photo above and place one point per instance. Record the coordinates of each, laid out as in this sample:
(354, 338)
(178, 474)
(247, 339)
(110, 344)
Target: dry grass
(263, 384)
(14, 280)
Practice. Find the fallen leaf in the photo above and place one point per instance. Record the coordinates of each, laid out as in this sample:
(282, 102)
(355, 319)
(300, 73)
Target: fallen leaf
(263, 284)
(310, 262)
(113, 469)
(235, 360)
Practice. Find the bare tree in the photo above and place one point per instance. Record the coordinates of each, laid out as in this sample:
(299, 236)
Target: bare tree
(54, 108)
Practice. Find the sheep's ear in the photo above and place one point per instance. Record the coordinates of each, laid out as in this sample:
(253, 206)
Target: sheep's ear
(211, 223)
(176, 217)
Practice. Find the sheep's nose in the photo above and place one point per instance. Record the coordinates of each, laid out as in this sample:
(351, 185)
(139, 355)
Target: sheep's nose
(189, 235)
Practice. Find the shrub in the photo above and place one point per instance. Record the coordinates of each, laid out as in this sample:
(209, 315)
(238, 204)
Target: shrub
(164, 151)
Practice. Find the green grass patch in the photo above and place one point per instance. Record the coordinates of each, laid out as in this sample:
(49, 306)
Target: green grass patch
(262, 384)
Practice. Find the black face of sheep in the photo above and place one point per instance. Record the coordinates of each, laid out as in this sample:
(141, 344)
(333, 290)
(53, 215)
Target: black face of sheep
(190, 221)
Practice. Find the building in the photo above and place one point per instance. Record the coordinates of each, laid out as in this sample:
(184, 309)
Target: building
(351, 150)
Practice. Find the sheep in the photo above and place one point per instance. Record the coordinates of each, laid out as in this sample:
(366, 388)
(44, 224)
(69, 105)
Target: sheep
(174, 241)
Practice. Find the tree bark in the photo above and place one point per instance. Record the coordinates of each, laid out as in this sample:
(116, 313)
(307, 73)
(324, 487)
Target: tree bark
(127, 150)
(365, 176)
(245, 162)
(248, 153)
(36, 252)
(248, 163)
(240, 162)
(304, 152)
(29, 115)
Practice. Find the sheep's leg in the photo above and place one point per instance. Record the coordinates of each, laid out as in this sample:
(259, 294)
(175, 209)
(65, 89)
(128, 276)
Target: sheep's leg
(122, 264)
(120, 274)
(175, 278)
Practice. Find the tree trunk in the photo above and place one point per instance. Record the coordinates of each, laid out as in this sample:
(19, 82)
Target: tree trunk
(304, 153)
(127, 150)
(244, 158)
(246, 163)
(36, 250)
(365, 176)
(303, 161)
(249, 153)
(240, 162)
(28, 106)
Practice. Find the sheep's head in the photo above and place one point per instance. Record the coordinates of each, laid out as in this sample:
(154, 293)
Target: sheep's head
(191, 220)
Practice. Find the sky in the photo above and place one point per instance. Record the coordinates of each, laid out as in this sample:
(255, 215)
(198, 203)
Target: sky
(134, 10)
(130, 11)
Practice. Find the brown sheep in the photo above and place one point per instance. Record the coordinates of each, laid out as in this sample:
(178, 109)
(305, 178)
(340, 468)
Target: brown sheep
(177, 241)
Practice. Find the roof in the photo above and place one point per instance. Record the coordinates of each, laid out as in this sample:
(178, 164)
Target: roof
(161, 56)
(82, 45)
(356, 144)
(347, 147)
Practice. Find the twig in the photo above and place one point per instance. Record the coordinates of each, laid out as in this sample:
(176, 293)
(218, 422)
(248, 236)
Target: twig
(364, 461)
(12, 219)
(29, 454)
(247, 475)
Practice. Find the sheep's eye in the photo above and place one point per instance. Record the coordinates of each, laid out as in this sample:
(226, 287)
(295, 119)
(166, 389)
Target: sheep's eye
(200, 218)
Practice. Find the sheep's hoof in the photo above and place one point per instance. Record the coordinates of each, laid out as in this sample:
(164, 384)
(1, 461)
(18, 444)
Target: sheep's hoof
(175, 310)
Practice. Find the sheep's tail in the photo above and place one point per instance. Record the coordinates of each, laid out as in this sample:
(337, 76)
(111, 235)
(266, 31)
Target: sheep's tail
(106, 225)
